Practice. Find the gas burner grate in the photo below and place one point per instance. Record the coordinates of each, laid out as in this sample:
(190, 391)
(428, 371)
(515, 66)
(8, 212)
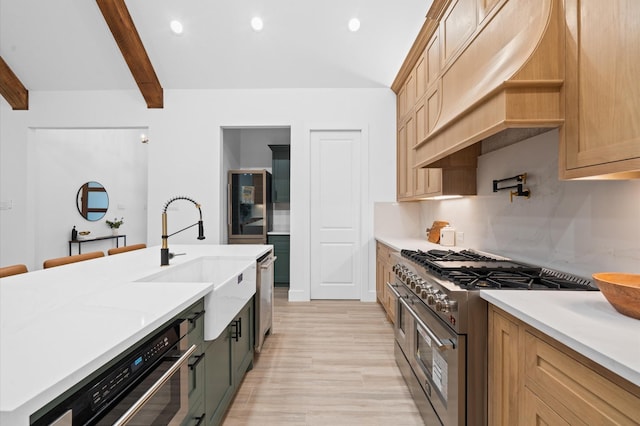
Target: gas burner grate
(529, 280)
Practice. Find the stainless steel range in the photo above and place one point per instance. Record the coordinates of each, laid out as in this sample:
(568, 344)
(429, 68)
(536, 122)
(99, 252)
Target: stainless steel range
(441, 325)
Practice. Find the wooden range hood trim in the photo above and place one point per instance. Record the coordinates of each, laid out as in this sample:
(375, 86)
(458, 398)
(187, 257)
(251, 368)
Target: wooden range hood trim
(124, 32)
(12, 88)
(496, 102)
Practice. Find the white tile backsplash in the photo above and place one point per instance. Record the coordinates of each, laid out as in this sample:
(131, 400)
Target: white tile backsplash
(401, 220)
(281, 220)
(579, 227)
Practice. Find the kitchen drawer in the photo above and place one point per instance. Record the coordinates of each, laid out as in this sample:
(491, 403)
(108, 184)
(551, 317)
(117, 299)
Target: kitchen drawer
(384, 252)
(574, 390)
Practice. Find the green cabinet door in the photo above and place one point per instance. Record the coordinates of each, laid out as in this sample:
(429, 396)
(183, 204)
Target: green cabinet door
(227, 359)
(242, 343)
(196, 383)
(219, 387)
(281, 251)
(281, 172)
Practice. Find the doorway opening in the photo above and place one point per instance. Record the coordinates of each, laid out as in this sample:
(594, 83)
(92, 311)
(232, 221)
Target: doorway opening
(250, 148)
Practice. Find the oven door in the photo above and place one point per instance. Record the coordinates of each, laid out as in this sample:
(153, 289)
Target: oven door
(161, 398)
(402, 329)
(438, 361)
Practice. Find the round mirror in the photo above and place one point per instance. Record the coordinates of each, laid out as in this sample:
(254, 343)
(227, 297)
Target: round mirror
(92, 201)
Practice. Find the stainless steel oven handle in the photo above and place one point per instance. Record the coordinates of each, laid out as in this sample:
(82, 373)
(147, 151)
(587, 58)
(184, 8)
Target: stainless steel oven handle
(155, 388)
(393, 290)
(438, 342)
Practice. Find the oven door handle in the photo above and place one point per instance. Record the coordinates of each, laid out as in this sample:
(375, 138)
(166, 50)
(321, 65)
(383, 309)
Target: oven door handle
(393, 290)
(434, 338)
(135, 408)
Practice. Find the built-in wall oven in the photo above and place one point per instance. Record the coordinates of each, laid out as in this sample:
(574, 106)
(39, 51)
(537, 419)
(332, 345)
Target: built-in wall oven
(149, 385)
(441, 325)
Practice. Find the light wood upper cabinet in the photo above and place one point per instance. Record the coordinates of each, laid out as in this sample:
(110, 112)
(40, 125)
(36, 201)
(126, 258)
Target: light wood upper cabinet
(601, 135)
(534, 379)
(503, 65)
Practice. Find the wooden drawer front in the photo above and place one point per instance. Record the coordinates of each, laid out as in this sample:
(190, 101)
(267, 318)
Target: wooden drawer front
(536, 412)
(384, 253)
(575, 391)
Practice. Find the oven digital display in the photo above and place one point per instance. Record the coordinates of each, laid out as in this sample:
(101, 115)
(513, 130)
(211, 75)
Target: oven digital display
(136, 364)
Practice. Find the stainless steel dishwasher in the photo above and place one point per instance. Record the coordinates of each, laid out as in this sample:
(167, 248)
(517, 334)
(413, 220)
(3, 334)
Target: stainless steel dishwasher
(264, 298)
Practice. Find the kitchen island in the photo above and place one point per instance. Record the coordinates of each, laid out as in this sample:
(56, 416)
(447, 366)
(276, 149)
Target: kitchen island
(59, 325)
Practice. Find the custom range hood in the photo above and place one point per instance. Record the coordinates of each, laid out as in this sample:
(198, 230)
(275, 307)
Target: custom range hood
(491, 70)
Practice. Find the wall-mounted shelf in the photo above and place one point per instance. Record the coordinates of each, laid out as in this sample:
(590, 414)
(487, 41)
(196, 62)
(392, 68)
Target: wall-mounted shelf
(88, 240)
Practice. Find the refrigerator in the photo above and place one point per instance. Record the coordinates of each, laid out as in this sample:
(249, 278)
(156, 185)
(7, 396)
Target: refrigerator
(250, 209)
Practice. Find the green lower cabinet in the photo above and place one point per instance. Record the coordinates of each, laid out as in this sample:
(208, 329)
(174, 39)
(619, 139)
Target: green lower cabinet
(227, 359)
(195, 336)
(196, 416)
(281, 251)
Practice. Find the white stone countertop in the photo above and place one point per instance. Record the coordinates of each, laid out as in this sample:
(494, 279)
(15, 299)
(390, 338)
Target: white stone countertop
(59, 325)
(583, 321)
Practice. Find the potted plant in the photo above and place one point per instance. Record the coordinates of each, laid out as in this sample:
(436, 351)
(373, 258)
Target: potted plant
(115, 224)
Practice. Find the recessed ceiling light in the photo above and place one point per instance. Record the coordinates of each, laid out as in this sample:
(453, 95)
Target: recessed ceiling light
(257, 24)
(354, 25)
(176, 27)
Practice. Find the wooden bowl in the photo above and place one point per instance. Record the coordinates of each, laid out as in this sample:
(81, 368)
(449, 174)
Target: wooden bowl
(621, 290)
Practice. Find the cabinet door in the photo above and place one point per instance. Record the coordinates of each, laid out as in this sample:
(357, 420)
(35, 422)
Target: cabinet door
(536, 412)
(219, 381)
(281, 251)
(602, 131)
(504, 372)
(389, 297)
(196, 381)
(380, 274)
(281, 171)
(242, 342)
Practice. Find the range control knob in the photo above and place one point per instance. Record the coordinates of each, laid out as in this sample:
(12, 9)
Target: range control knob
(432, 297)
(411, 279)
(444, 305)
(426, 291)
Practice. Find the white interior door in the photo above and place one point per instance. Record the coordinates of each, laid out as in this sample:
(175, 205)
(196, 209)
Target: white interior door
(335, 215)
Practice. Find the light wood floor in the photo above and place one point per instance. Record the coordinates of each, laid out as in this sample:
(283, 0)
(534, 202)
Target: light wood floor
(326, 363)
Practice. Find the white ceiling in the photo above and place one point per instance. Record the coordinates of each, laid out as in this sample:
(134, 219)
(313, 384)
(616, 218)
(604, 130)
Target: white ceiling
(66, 44)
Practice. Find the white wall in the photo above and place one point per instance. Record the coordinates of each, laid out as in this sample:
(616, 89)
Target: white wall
(185, 153)
(61, 161)
(579, 227)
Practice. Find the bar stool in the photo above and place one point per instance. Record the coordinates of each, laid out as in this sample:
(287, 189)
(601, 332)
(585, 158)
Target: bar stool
(50, 263)
(7, 271)
(123, 249)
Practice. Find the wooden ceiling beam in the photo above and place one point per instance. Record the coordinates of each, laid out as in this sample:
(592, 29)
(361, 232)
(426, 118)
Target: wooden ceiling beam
(124, 32)
(12, 88)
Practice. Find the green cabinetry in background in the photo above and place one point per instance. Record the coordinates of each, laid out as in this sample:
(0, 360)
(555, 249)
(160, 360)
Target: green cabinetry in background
(281, 251)
(281, 172)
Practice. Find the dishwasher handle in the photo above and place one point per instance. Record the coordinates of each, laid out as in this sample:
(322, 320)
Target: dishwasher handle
(267, 264)
(139, 404)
